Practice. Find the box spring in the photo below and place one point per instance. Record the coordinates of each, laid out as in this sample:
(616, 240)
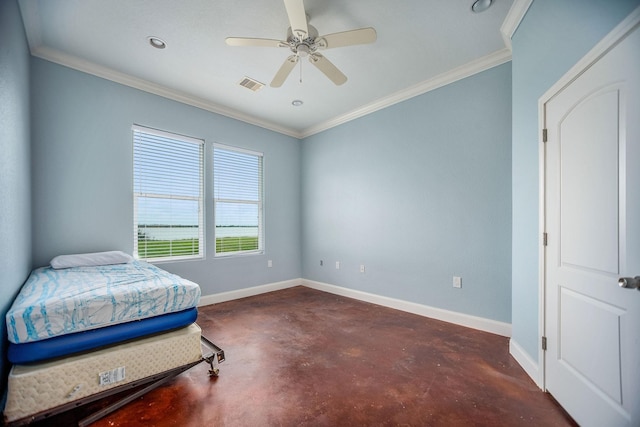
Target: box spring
(40, 387)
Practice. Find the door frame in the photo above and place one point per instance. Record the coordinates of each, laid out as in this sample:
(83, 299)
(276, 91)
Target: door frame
(599, 50)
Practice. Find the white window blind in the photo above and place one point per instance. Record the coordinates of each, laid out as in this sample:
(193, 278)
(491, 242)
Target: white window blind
(167, 195)
(237, 188)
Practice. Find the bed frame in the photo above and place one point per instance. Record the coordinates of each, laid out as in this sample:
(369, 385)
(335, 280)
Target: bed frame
(97, 335)
(212, 354)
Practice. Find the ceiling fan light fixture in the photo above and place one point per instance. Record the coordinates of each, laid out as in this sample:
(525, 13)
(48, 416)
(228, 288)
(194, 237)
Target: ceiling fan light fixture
(157, 42)
(481, 5)
(304, 42)
(303, 50)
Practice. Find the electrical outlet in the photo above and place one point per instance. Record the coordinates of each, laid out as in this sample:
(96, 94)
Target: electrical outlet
(270, 263)
(337, 265)
(457, 282)
(361, 268)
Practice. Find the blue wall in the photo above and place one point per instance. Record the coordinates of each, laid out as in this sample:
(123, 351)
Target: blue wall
(15, 182)
(552, 37)
(83, 175)
(417, 192)
(440, 185)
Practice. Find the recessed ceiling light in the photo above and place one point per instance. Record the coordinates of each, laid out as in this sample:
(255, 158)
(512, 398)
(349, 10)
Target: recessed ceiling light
(481, 5)
(156, 42)
(297, 102)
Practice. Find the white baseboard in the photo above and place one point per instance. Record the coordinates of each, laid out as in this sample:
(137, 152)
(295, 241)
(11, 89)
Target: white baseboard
(528, 364)
(248, 292)
(480, 323)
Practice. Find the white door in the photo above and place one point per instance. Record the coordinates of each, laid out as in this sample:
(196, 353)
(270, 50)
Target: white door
(592, 217)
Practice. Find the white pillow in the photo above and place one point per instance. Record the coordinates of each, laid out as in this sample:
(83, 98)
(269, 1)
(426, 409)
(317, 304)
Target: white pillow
(91, 259)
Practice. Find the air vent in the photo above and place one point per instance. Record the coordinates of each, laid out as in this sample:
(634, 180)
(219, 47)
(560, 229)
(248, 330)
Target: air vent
(249, 83)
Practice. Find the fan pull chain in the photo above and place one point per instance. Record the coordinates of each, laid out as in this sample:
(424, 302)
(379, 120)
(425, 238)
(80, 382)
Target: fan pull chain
(300, 71)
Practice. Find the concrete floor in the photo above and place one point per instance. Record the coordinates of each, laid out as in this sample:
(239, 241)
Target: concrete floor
(301, 357)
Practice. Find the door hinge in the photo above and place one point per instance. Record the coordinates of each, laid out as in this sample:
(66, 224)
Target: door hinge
(545, 239)
(544, 343)
(544, 135)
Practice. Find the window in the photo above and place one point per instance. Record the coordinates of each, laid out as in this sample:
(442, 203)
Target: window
(167, 195)
(237, 199)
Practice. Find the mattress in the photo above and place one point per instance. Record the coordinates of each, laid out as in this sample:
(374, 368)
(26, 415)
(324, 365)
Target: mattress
(64, 345)
(58, 302)
(32, 389)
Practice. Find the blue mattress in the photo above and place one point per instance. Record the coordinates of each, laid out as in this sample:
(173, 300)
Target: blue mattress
(89, 340)
(66, 301)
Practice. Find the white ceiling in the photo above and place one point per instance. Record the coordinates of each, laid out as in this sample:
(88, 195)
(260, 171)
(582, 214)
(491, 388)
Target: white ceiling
(421, 45)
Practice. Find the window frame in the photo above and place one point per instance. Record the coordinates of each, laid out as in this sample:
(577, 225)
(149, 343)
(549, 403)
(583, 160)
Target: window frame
(259, 203)
(168, 196)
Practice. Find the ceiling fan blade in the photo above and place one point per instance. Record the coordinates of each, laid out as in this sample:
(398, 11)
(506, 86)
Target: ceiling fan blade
(247, 41)
(284, 71)
(327, 68)
(297, 18)
(347, 38)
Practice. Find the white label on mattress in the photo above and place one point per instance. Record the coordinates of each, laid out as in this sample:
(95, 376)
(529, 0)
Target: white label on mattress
(112, 376)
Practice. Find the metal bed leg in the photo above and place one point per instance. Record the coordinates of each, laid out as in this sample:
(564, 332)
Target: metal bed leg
(214, 357)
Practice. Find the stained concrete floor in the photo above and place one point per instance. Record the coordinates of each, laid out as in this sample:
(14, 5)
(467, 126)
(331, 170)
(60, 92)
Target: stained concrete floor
(301, 357)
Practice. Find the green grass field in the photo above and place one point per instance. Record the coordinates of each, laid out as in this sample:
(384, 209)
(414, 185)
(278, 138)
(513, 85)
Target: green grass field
(165, 248)
(236, 244)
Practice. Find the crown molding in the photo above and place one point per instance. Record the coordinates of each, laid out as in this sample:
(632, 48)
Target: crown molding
(489, 61)
(469, 69)
(512, 20)
(31, 18)
(79, 64)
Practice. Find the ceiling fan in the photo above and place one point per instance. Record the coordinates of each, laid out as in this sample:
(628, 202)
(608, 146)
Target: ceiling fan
(303, 40)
